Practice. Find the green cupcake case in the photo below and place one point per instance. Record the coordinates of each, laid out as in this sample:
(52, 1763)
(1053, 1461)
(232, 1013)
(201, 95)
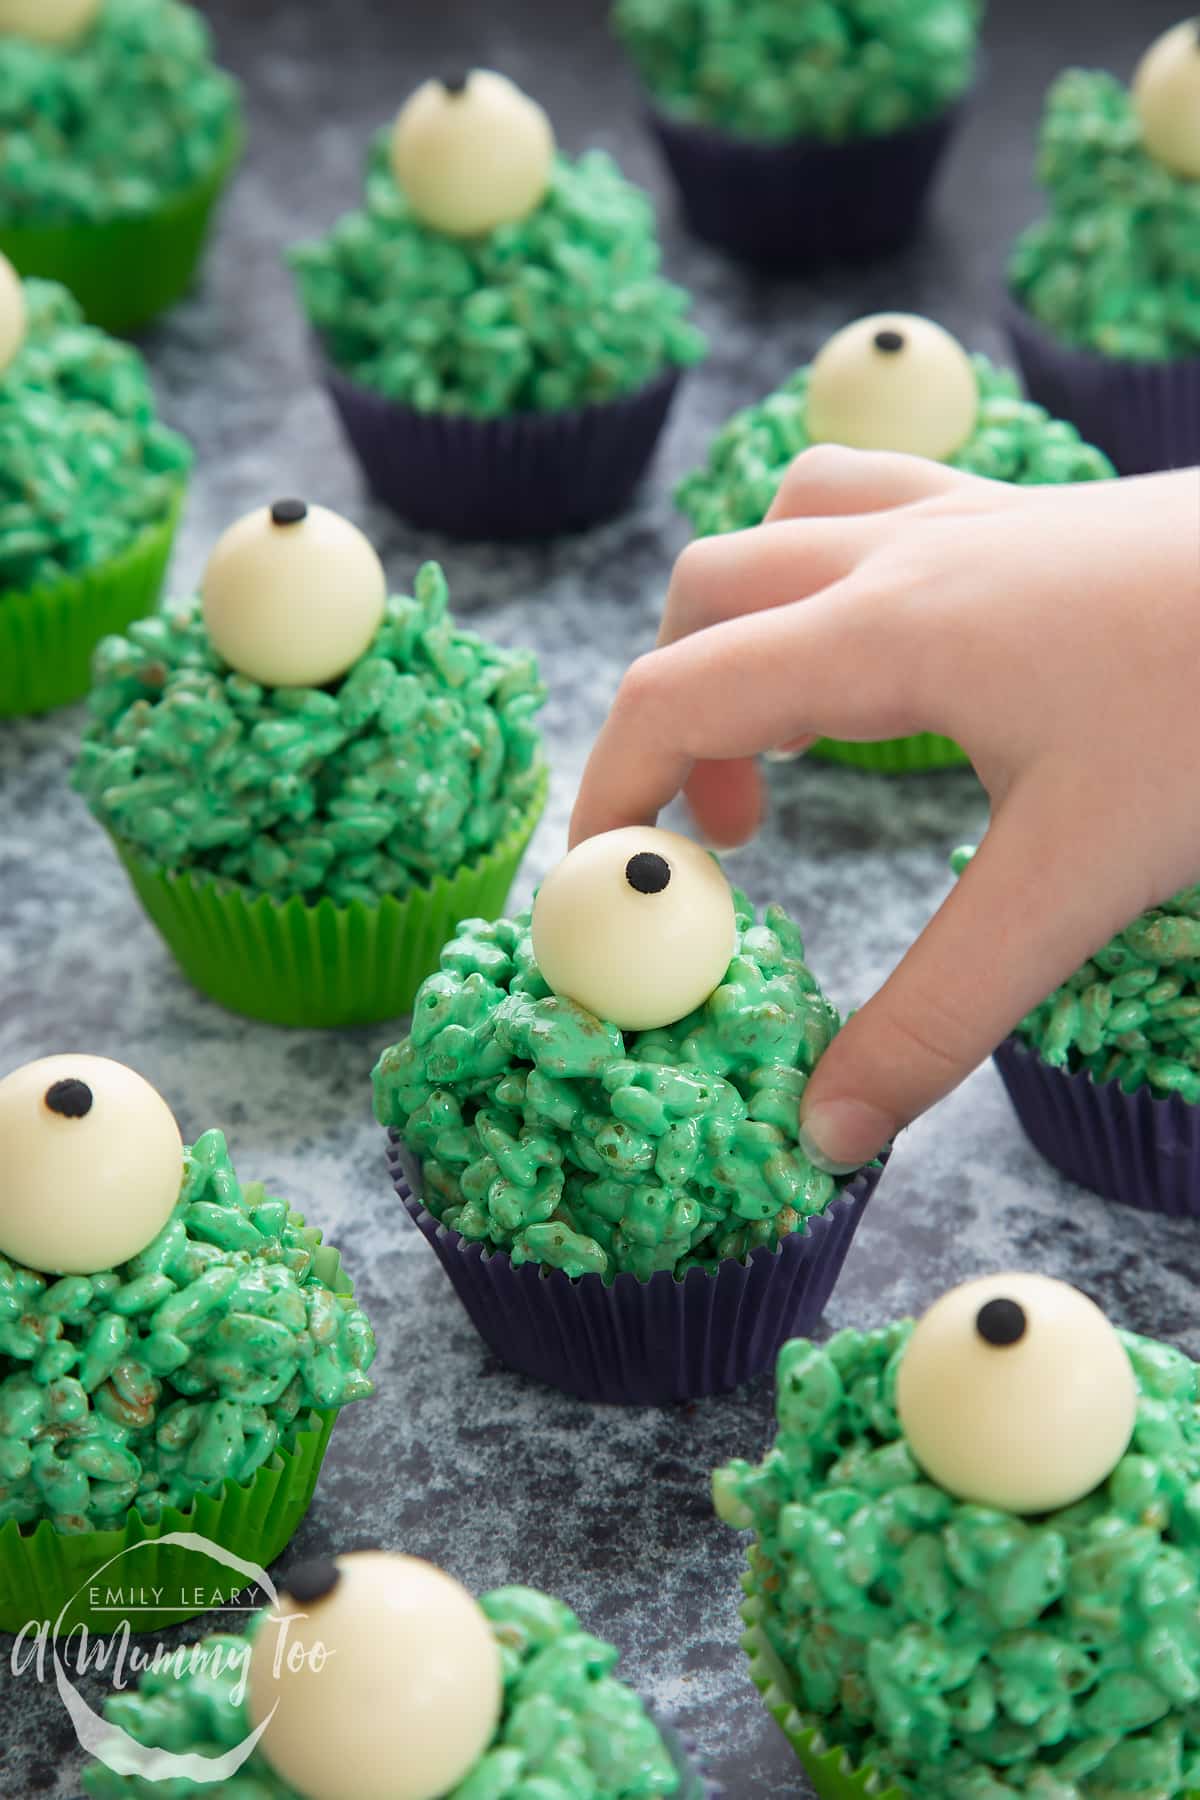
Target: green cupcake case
(48, 633)
(323, 965)
(126, 270)
(918, 754)
(829, 1769)
(45, 1573)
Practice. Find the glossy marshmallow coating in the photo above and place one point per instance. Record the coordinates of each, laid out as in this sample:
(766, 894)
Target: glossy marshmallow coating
(893, 381)
(1014, 1391)
(91, 1163)
(47, 21)
(12, 313)
(635, 925)
(400, 1689)
(293, 595)
(1166, 96)
(472, 155)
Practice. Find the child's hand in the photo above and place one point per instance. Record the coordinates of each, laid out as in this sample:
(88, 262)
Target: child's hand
(1053, 632)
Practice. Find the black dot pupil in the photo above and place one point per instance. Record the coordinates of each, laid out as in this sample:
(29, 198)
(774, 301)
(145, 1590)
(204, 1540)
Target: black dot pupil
(288, 512)
(1001, 1322)
(647, 872)
(312, 1580)
(889, 342)
(456, 83)
(71, 1099)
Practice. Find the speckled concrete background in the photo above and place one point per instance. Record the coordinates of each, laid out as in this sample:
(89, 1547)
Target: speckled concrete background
(454, 1458)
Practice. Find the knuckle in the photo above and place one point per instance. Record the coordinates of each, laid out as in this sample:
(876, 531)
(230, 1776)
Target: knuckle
(820, 465)
(642, 684)
(932, 1038)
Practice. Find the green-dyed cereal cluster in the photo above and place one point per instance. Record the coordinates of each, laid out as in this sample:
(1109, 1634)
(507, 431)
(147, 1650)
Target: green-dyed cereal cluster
(564, 308)
(569, 1730)
(1115, 264)
(960, 1651)
(84, 465)
(191, 1364)
(777, 69)
(1013, 441)
(425, 756)
(546, 1132)
(1131, 1014)
(116, 123)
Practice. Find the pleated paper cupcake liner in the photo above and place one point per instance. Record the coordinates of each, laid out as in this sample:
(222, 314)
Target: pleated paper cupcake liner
(1140, 1148)
(289, 963)
(45, 1572)
(125, 271)
(695, 1783)
(914, 755)
(793, 206)
(1145, 415)
(828, 1767)
(644, 1343)
(528, 476)
(47, 634)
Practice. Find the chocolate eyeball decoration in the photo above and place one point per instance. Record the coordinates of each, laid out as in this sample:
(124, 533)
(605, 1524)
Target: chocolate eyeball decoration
(472, 152)
(91, 1164)
(12, 313)
(893, 382)
(635, 925)
(1166, 97)
(293, 595)
(1015, 1392)
(47, 21)
(383, 1680)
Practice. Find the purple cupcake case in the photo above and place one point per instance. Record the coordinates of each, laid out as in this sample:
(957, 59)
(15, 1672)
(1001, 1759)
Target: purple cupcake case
(529, 475)
(695, 1782)
(650, 1343)
(791, 206)
(1139, 1148)
(1145, 415)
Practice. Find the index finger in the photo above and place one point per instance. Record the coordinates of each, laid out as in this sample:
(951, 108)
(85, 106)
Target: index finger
(826, 666)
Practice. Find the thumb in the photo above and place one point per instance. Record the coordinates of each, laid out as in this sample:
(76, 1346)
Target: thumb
(1018, 922)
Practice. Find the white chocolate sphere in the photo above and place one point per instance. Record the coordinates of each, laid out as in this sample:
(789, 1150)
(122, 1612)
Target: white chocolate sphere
(12, 313)
(893, 382)
(1014, 1391)
(635, 925)
(47, 21)
(409, 1698)
(472, 154)
(293, 595)
(1166, 97)
(91, 1163)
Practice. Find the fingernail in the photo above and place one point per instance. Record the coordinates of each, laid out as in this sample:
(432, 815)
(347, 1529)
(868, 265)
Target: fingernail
(839, 1136)
(787, 753)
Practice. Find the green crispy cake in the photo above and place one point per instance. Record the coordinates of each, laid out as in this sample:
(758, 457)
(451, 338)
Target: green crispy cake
(973, 1633)
(829, 69)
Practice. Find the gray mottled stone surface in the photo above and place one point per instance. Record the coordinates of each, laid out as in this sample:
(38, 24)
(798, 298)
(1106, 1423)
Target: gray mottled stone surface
(455, 1458)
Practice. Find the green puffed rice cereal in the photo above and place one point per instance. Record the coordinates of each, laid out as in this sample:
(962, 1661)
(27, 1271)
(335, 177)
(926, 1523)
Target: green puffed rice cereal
(116, 124)
(564, 308)
(1013, 440)
(85, 467)
(550, 1134)
(569, 1730)
(1115, 264)
(426, 755)
(1131, 1013)
(960, 1651)
(776, 69)
(185, 1367)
